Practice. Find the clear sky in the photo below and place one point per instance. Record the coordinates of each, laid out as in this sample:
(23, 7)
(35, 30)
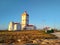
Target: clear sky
(41, 12)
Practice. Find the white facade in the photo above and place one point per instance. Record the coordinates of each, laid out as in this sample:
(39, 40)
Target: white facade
(17, 26)
(11, 26)
(25, 20)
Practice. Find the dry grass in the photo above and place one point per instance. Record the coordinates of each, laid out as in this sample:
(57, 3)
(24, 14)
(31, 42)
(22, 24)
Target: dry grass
(24, 35)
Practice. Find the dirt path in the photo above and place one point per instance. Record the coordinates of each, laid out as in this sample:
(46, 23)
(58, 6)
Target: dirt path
(57, 34)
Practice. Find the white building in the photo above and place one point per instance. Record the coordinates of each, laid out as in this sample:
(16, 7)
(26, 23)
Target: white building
(47, 29)
(24, 24)
(14, 26)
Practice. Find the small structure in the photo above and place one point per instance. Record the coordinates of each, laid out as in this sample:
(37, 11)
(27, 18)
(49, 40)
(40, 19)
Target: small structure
(30, 27)
(14, 26)
(48, 30)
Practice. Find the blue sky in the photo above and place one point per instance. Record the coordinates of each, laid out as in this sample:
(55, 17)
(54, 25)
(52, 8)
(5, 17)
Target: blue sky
(41, 12)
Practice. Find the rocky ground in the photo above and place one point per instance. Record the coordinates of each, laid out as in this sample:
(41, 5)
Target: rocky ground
(39, 42)
(29, 38)
(42, 42)
(50, 42)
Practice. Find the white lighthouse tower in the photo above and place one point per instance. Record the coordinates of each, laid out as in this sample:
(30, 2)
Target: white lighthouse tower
(25, 20)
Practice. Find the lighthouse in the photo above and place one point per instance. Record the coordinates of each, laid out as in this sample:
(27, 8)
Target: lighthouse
(25, 20)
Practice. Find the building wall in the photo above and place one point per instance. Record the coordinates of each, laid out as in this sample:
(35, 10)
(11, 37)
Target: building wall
(11, 26)
(17, 26)
(30, 28)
